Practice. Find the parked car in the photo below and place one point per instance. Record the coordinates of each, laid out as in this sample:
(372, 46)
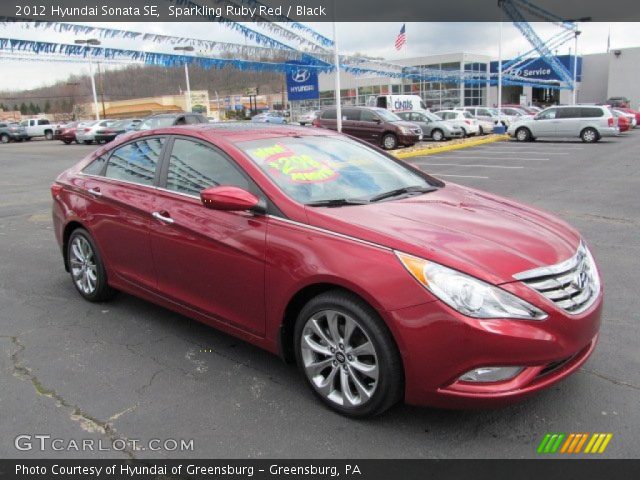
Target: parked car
(590, 123)
(131, 124)
(618, 102)
(515, 113)
(169, 119)
(382, 282)
(636, 113)
(462, 119)
(269, 117)
(66, 133)
(86, 132)
(486, 114)
(432, 126)
(112, 130)
(12, 132)
(624, 124)
(376, 125)
(630, 117)
(38, 127)
(307, 118)
(524, 108)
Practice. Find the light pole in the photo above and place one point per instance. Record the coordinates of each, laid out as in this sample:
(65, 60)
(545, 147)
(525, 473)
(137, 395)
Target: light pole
(188, 48)
(336, 61)
(93, 42)
(575, 67)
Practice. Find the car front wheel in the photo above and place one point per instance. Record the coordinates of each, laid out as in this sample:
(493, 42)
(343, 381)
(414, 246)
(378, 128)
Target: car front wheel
(437, 135)
(523, 134)
(4, 138)
(86, 267)
(347, 355)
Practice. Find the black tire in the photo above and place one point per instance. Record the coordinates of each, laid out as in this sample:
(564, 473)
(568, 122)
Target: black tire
(480, 130)
(390, 381)
(523, 134)
(389, 141)
(48, 135)
(87, 142)
(67, 142)
(4, 138)
(589, 135)
(77, 141)
(102, 291)
(28, 139)
(437, 135)
(464, 133)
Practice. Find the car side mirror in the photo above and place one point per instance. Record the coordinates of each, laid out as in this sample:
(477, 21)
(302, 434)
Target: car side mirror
(377, 120)
(231, 199)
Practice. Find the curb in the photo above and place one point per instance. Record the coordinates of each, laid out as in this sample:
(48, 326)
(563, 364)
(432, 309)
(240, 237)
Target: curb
(455, 146)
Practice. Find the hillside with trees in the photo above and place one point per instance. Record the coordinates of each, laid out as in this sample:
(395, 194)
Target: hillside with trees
(137, 81)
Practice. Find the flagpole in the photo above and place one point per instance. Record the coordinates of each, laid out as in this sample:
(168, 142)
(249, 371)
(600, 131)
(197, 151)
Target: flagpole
(500, 75)
(336, 60)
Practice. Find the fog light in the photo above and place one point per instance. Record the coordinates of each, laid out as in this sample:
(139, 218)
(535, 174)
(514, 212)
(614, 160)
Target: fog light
(491, 374)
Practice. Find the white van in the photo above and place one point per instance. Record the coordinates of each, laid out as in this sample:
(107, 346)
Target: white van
(397, 103)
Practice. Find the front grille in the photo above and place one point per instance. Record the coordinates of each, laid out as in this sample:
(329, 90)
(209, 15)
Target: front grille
(553, 366)
(572, 285)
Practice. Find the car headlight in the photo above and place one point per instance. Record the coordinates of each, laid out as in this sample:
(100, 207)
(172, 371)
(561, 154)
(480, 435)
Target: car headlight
(406, 130)
(466, 294)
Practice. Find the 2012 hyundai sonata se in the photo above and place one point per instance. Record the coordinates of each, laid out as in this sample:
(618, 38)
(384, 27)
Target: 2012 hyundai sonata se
(381, 282)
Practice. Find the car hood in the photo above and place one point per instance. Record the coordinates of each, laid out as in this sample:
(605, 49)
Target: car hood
(481, 234)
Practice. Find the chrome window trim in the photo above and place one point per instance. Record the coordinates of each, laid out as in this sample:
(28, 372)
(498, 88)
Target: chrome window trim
(330, 232)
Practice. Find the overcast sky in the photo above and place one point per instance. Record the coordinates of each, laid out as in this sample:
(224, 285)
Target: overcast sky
(371, 38)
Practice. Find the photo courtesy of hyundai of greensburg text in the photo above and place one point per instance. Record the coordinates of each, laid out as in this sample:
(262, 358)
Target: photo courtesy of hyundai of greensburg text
(308, 239)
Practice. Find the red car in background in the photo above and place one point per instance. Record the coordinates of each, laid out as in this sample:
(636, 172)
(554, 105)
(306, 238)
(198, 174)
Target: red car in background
(623, 122)
(66, 133)
(383, 283)
(632, 112)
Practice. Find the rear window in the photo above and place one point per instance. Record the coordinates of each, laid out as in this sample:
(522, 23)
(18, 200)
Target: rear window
(329, 115)
(96, 167)
(43, 122)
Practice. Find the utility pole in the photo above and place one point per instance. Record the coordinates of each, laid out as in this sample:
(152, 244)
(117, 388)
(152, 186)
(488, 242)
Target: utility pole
(336, 60)
(101, 79)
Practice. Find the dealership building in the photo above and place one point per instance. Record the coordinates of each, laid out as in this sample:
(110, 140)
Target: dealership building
(600, 76)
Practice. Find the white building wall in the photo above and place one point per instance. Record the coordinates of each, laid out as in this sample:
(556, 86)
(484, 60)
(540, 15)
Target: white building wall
(595, 78)
(624, 71)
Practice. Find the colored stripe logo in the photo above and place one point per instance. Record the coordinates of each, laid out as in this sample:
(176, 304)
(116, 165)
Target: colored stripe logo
(573, 443)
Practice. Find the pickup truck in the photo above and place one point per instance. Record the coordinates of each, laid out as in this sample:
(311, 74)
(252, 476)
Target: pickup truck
(38, 127)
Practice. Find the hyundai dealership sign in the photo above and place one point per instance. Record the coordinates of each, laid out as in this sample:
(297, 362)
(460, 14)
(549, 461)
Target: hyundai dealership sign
(539, 69)
(302, 82)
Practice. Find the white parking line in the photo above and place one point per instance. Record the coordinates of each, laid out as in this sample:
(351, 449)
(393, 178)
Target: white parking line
(474, 157)
(501, 151)
(457, 176)
(461, 165)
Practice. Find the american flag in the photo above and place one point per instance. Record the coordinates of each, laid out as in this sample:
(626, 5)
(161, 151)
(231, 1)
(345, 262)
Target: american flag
(402, 38)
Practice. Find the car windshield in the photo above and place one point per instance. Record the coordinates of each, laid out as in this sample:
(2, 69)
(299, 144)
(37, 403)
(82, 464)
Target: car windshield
(157, 122)
(387, 115)
(431, 116)
(316, 169)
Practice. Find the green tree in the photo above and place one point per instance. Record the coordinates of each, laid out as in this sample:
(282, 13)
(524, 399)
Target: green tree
(15, 107)
(47, 106)
(23, 108)
(2, 107)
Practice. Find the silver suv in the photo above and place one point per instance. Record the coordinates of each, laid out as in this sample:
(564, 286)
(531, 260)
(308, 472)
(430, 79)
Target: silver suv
(588, 122)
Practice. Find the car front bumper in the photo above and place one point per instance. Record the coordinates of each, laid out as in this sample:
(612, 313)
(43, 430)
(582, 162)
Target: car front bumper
(438, 345)
(408, 140)
(17, 136)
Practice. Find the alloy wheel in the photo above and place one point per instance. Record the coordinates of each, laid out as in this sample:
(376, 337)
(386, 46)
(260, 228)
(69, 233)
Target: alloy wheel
(339, 358)
(83, 265)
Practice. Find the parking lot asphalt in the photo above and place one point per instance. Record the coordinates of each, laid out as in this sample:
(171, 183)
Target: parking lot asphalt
(130, 370)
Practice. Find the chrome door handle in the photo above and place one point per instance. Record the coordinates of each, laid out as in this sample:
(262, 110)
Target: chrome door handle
(162, 218)
(95, 191)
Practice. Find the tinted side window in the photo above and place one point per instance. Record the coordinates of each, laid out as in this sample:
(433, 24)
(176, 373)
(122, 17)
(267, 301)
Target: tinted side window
(194, 166)
(568, 112)
(548, 114)
(368, 116)
(329, 115)
(136, 162)
(43, 122)
(350, 114)
(591, 112)
(95, 167)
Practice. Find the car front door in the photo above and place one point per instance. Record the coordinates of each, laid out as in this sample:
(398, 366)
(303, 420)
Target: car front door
(370, 126)
(350, 123)
(545, 123)
(421, 120)
(212, 261)
(120, 201)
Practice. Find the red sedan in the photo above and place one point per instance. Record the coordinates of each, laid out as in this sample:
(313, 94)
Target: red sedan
(66, 133)
(382, 282)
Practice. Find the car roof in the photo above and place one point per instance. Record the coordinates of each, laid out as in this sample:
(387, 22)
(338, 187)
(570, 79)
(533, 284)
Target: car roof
(243, 131)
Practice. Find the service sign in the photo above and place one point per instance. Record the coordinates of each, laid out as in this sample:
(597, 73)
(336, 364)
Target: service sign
(302, 82)
(539, 69)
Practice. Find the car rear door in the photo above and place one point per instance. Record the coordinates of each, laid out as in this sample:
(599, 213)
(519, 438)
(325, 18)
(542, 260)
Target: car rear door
(211, 261)
(121, 201)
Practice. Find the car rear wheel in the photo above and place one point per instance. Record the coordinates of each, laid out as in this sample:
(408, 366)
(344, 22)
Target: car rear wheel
(4, 138)
(389, 141)
(86, 267)
(589, 135)
(347, 355)
(437, 135)
(523, 134)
